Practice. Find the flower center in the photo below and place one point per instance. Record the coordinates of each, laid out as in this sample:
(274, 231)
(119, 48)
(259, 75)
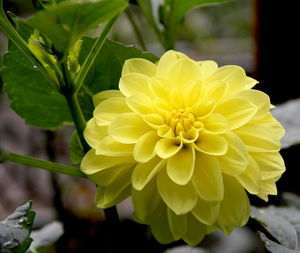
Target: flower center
(182, 120)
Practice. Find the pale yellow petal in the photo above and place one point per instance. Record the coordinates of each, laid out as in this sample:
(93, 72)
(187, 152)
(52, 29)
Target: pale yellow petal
(108, 176)
(109, 109)
(260, 99)
(108, 146)
(144, 172)
(195, 232)
(251, 178)
(180, 167)
(258, 138)
(144, 149)
(216, 123)
(180, 198)
(168, 147)
(112, 194)
(204, 107)
(207, 68)
(177, 223)
(140, 103)
(154, 120)
(184, 71)
(93, 133)
(192, 93)
(214, 89)
(212, 144)
(128, 128)
(160, 228)
(233, 75)
(146, 202)
(237, 111)
(235, 161)
(103, 95)
(271, 164)
(92, 163)
(235, 207)
(167, 60)
(139, 65)
(206, 212)
(207, 178)
(250, 82)
(134, 83)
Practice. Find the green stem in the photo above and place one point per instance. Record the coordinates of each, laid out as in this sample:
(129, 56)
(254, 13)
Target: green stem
(136, 29)
(78, 118)
(89, 61)
(41, 164)
(7, 28)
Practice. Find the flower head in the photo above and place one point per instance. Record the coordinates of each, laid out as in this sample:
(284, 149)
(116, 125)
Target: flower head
(186, 140)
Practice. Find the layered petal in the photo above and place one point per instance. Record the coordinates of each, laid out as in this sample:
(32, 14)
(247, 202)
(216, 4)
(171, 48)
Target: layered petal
(180, 167)
(180, 198)
(207, 178)
(139, 65)
(206, 212)
(93, 133)
(128, 128)
(211, 144)
(132, 83)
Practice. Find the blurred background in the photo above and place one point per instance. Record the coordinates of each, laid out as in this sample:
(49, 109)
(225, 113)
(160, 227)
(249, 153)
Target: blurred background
(255, 34)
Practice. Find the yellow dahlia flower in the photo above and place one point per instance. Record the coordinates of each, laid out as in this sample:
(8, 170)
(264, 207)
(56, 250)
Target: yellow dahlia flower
(184, 139)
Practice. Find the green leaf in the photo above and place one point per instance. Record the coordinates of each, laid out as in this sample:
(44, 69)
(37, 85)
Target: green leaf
(45, 237)
(173, 12)
(31, 95)
(15, 230)
(40, 104)
(283, 223)
(76, 149)
(66, 22)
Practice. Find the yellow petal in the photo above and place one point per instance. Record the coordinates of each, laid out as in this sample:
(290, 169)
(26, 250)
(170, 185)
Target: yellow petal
(216, 123)
(212, 144)
(167, 60)
(207, 178)
(92, 163)
(93, 133)
(192, 93)
(134, 83)
(234, 76)
(154, 120)
(146, 202)
(177, 224)
(258, 138)
(161, 230)
(168, 147)
(139, 65)
(184, 71)
(180, 198)
(109, 109)
(214, 89)
(271, 164)
(128, 128)
(140, 103)
(108, 146)
(144, 172)
(108, 176)
(144, 149)
(251, 177)
(250, 82)
(160, 89)
(195, 232)
(235, 207)
(204, 107)
(103, 95)
(236, 160)
(112, 194)
(207, 68)
(180, 167)
(206, 212)
(260, 99)
(237, 111)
